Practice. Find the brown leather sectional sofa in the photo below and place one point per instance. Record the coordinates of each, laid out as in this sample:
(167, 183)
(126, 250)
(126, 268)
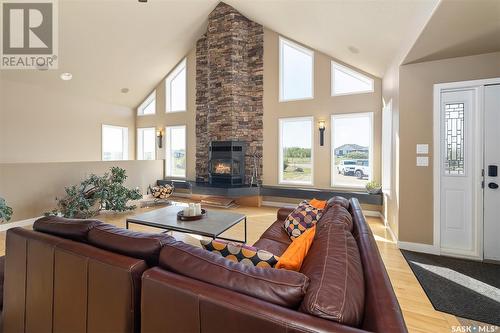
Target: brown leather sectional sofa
(87, 276)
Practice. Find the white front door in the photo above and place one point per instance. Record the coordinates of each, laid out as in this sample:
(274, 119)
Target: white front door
(492, 172)
(458, 172)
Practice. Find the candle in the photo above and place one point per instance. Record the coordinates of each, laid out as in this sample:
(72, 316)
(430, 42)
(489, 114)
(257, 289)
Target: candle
(198, 209)
(185, 211)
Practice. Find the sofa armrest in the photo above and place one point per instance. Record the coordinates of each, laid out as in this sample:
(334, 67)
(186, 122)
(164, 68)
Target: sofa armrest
(189, 305)
(283, 213)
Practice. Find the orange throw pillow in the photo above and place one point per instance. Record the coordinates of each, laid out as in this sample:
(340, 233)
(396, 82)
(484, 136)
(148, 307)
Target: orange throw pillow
(320, 204)
(296, 252)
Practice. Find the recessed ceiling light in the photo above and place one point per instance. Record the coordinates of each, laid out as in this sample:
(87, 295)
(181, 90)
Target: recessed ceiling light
(66, 76)
(353, 49)
(124, 90)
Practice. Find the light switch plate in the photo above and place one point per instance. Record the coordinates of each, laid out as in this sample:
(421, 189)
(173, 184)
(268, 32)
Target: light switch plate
(422, 148)
(422, 161)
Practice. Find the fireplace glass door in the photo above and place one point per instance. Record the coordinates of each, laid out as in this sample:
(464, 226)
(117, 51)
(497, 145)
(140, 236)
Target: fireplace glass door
(225, 167)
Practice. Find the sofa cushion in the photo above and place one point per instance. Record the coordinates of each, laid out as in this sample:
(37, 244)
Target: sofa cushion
(277, 233)
(337, 200)
(277, 286)
(140, 245)
(294, 255)
(272, 245)
(339, 215)
(302, 218)
(337, 289)
(237, 252)
(320, 204)
(74, 229)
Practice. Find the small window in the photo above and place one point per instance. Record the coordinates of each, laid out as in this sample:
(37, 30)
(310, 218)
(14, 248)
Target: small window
(146, 143)
(114, 143)
(296, 71)
(176, 89)
(175, 151)
(352, 160)
(454, 139)
(148, 106)
(296, 151)
(387, 147)
(346, 81)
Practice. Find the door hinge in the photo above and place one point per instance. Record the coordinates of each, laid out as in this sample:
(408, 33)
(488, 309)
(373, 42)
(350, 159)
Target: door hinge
(482, 184)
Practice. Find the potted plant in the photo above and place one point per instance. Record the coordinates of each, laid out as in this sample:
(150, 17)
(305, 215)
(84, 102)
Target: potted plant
(5, 211)
(373, 187)
(97, 193)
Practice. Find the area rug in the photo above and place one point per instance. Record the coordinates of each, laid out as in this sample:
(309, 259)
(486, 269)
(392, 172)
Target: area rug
(463, 288)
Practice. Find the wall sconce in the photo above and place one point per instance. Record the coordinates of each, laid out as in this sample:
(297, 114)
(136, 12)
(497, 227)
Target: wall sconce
(159, 135)
(322, 126)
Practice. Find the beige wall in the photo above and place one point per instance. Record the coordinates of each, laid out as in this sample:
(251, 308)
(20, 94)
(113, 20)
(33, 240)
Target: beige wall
(31, 188)
(390, 93)
(162, 119)
(416, 109)
(41, 125)
(321, 107)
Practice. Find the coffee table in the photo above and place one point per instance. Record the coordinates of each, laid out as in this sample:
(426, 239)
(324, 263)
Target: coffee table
(211, 225)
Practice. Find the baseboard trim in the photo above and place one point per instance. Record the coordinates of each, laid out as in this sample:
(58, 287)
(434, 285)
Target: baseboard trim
(21, 223)
(418, 247)
(373, 213)
(278, 204)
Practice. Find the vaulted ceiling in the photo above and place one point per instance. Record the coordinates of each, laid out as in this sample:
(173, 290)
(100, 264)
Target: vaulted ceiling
(114, 44)
(458, 29)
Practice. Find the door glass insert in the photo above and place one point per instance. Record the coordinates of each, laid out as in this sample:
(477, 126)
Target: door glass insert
(454, 139)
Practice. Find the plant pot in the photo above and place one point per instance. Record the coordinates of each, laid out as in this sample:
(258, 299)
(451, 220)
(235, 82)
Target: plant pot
(374, 190)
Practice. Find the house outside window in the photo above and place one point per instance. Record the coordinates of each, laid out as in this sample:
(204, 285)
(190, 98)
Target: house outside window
(114, 143)
(175, 154)
(148, 107)
(346, 81)
(176, 88)
(146, 143)
(352, 150)
(296, 151)
(296, 76)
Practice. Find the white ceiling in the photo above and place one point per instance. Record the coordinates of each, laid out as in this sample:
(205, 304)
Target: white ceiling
(458, 29)
(112, 44)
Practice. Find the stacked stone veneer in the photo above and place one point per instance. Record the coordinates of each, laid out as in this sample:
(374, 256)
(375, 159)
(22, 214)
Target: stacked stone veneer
(229, 86)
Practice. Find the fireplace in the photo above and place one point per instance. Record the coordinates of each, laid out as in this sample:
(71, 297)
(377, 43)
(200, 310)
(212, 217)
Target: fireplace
(226, 163)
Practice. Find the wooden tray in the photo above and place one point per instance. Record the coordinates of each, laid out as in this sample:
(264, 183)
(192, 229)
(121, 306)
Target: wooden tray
(180, 216)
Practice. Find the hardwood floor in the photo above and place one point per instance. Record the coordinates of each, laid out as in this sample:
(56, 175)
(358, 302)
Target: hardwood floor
(419, 314)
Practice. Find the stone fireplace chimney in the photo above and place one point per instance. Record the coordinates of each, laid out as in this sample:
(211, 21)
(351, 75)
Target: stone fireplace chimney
(229, 86)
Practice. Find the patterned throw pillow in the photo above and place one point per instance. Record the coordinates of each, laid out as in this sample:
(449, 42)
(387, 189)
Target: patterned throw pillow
(245, 254)
(302, 218)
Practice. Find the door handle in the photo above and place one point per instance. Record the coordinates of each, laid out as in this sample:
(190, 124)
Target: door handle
(493, 186)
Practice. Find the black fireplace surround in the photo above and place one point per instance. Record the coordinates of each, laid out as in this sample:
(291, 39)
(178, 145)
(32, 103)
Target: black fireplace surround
(226, 162)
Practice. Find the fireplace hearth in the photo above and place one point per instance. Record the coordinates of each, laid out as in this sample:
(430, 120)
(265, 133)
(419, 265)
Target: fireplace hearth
(226, 163)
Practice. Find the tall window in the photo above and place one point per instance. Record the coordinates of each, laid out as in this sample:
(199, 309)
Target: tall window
(296, 71)
(176, 89)
(146, 143)
(148, 106)
(114, 143)
(296, 151)
(352, 157)
(176, 151)
(387, 146)
(346, 81)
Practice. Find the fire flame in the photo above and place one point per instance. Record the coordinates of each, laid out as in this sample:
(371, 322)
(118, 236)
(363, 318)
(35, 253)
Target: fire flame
(222, 168)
